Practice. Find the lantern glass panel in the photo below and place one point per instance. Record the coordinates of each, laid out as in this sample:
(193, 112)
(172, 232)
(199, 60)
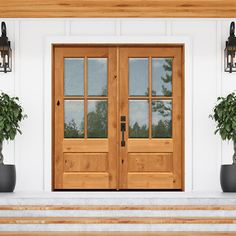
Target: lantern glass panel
(6, 60)
(229, 58)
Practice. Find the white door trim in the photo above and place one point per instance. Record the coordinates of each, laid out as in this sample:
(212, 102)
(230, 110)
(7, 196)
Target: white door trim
(188, 103)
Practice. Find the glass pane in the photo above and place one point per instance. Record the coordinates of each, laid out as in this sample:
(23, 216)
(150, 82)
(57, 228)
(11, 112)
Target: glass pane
(73, 119)
(138, 76)
(138, 119)
(162, 76)
(73, 76)
(162, 119)
(97, 76)
(97, 119)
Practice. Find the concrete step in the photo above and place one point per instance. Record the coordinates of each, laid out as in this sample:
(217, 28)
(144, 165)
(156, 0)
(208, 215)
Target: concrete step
(117, 211)
(116, 233)
(106, 213)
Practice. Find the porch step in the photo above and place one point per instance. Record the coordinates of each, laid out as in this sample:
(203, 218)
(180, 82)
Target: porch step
(117, 211)
(71, 212)
(117, 220)
(117, 233)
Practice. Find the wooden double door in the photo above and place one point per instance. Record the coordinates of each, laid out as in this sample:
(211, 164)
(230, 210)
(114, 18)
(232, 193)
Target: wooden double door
(118, 117)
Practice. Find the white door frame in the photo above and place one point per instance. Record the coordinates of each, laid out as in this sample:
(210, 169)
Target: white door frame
(47, 89)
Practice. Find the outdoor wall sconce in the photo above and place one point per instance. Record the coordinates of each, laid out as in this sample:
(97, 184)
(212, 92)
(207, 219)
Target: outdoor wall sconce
(230, 50)
(5, 51)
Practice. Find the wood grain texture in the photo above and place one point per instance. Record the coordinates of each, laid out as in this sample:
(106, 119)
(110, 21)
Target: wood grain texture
(161, 157)
(150, 162)
(118, 8)
(85, 162)
(82, 145)
(117, 220)
(150, 180)
(119, 207)
(140, 145)
(117, 233)
(139, 168)
(85, 180)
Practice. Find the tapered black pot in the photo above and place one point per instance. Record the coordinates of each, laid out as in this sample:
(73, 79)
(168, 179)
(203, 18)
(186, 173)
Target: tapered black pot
(7, 178)
(228, 178)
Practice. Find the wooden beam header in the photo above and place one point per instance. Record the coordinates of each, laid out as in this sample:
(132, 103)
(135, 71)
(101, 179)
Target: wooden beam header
(118, 8)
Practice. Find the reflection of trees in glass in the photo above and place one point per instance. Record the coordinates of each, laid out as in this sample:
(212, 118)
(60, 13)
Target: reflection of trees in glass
(97, 121)
(71, 130)
(136, 131)
(168, 76)
(104, 91)
(163, 129)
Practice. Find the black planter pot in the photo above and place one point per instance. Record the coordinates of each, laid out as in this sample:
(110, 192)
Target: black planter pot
(7, 178)
(228, 178)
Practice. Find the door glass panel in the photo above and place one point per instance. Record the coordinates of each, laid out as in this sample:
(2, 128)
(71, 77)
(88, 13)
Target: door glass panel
(73, 119)
(138, 119)
(162, 119)
(97, 76)
(162, 76)
(97, 119)
(73, 76)
(138, 76)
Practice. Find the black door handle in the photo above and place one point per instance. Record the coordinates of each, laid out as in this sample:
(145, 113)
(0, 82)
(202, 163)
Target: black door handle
(123, 128)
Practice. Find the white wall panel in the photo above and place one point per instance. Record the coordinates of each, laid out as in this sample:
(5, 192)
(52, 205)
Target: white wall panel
(30, 156)
(228, 86)
(93, 27)
(151, 27)
(209, 80)
(203, 37)
(7, 84)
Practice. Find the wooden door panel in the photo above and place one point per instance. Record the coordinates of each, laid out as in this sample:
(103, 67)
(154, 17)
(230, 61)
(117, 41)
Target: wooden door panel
(84, 157)
(78, 180)
(82, 145)
(150, 162)
(85, 162)
(151, 180)
(151, 158)
(141, 145)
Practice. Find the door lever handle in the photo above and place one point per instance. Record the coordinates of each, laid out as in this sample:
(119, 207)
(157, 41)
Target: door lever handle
(123, 128)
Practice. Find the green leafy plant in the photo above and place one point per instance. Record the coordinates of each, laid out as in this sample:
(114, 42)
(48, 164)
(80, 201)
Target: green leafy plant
(11, 114)
(224, 114)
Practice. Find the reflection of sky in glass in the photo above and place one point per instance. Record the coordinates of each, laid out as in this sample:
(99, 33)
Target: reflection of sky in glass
(138, 112)
(158, 71)
(91, 106)
(97, 76)
(138, 76)
(158, 115)
(74, 110)
(73, 76)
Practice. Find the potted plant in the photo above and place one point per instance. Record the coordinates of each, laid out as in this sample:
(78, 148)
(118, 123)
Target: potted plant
(11, 114)
(224, 114)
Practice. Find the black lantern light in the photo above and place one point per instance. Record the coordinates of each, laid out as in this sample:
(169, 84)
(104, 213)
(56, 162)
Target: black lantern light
(5, 51)
(230, 50)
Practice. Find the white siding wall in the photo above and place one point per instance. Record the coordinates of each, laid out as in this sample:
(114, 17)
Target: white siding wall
(207, 37)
